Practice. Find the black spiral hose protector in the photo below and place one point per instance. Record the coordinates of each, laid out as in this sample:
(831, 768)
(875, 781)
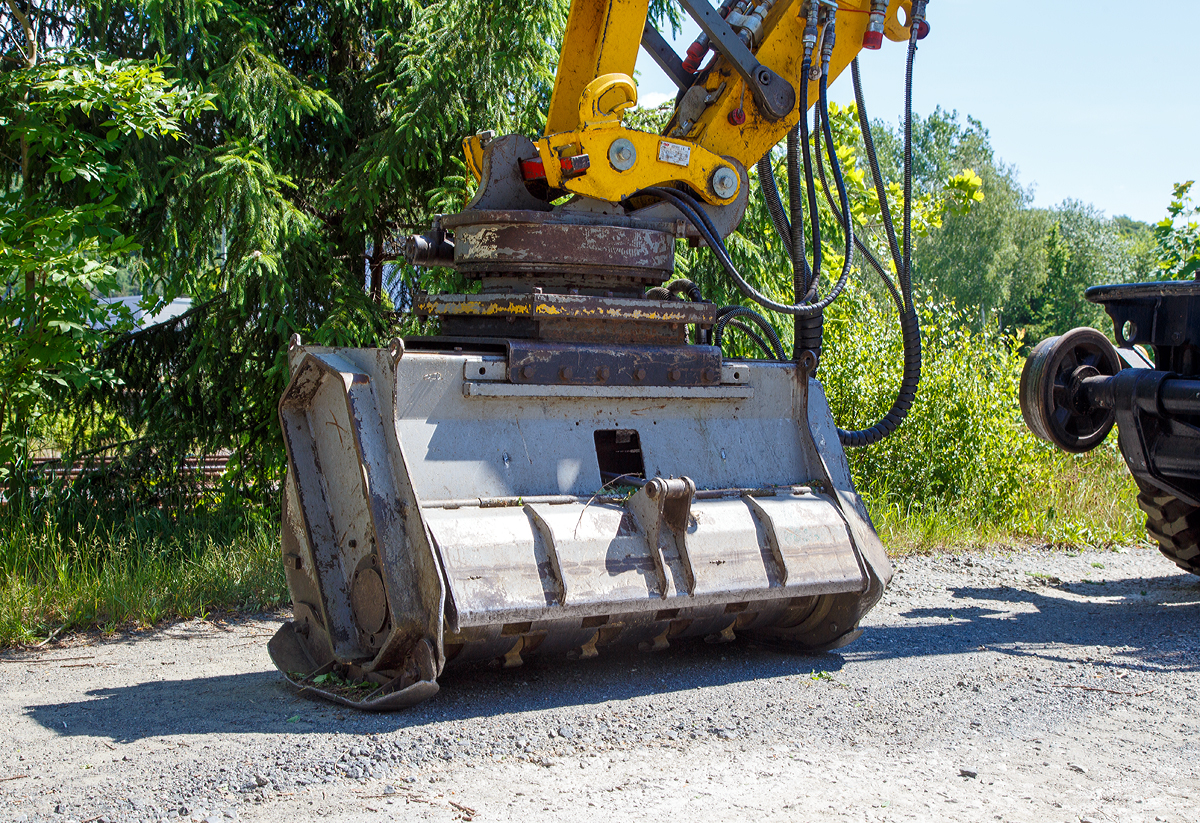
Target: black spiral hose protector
(726, 315)
(770, 191)
(910, 325)
(684, 287)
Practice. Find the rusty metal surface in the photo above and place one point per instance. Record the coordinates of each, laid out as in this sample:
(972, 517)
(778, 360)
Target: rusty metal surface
(550, 247)
(591, 365)
(565, 330)
(590, 283)
(472, 217)
(695, 394)
(564, 306)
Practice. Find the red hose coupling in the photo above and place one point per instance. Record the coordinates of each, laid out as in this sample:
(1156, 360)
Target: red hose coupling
(695, 54)
(737, 117)
(873, 39)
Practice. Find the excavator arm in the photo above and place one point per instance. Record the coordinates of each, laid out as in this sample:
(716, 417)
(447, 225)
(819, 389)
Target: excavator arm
(729, 113)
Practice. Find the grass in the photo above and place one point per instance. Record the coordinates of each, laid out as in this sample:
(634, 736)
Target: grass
(1070, 501)
(59, 576)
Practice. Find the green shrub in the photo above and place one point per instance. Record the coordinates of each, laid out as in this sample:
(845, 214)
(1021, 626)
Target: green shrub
(963, 468)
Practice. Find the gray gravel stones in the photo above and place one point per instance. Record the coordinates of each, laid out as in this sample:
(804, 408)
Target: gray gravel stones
(1026, 684)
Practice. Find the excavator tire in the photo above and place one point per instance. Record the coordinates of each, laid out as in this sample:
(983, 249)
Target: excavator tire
(1174, 524)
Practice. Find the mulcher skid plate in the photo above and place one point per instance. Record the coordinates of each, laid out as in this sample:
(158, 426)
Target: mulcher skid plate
(437, 512)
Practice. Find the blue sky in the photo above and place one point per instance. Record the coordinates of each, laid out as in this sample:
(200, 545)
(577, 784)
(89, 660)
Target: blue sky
(1096, 101)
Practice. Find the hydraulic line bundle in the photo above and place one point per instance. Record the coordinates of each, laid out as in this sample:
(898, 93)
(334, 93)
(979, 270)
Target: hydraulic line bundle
(562, 468)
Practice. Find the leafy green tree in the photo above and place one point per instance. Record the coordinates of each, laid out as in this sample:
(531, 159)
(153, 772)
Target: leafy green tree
(68, 120)
(1081, 248)
(973, 257)
(335, 126)
(1177, 236)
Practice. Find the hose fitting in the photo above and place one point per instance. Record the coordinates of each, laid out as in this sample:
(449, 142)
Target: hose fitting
(918, 25)
(828, 34)
(698, 49)
(810, 30)
(873, 38)
(695, 54)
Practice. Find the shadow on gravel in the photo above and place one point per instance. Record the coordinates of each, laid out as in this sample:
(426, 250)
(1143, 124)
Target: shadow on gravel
(1146, 623)
(261, 703)
(1141, 623)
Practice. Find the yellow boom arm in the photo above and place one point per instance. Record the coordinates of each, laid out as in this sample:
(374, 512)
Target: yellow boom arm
(586, 149)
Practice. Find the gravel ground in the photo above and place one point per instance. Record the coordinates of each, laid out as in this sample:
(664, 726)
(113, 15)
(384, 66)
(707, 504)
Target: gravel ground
(1016, 685)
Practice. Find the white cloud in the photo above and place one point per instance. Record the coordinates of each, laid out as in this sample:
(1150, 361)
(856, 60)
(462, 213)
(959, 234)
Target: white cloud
(653, 99)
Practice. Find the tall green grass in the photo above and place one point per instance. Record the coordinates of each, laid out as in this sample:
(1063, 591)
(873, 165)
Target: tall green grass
(964, 469)
(60, 573)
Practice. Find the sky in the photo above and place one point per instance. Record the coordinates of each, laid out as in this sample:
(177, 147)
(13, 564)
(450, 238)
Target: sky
(1095, 101)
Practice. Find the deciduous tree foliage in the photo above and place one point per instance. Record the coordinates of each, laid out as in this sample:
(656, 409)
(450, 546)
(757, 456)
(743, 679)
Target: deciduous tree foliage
(70, 120)
(1006, 263)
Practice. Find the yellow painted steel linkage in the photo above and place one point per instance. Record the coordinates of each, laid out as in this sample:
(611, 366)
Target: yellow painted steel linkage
(594, 86)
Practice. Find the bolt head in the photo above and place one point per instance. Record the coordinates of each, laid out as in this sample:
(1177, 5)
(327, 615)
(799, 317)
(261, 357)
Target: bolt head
(725, 182)
(622, 154)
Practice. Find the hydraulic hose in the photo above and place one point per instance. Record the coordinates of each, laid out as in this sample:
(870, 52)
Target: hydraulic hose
(808, 313)
(910, 327)
(684, 287)
(726, 315)
(885, 210)
(695, 214)
(839, 181)
(914, 35)
(754, 336)
(770, 191)
(863, 250)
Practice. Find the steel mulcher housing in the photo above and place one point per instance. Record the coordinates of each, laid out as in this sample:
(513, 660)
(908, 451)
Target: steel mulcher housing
(571, 463)
(438, 511)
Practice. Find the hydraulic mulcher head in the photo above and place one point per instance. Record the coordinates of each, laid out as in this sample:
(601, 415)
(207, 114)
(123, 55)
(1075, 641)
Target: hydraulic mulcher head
(441, 508)
(563, 469)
